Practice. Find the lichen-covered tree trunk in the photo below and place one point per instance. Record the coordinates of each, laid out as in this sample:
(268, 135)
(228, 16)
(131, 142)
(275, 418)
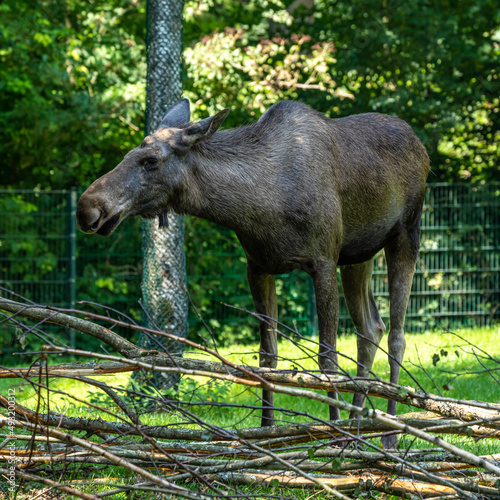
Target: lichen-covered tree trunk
(164, 277)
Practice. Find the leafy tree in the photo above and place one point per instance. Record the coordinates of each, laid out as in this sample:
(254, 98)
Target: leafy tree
(72, 94)
(436, 65)
(72, 85)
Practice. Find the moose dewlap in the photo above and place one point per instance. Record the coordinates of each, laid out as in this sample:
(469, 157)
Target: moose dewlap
(301, 191)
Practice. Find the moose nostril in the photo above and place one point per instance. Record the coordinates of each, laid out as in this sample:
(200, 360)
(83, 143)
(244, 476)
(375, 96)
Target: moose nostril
(95, 226)
(89, 219)
(94, 218)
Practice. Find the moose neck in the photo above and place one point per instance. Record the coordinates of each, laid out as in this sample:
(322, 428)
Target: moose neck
(222, 172)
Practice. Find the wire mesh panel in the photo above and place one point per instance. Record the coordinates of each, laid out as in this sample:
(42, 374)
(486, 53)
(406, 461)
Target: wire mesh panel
(35, 224)
(456, 283)
(35, 251)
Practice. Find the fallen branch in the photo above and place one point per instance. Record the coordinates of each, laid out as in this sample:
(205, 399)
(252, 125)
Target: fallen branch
(45, 314)
(366, 482)
(116, 460)
(464, 410)
(49, 482)
(208, 453)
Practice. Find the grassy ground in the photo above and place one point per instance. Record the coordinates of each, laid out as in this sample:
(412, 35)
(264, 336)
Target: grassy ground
(457, 373)
(455, 365)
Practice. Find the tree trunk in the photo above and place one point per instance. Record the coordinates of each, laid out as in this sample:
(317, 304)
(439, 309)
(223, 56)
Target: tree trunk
(164, 276)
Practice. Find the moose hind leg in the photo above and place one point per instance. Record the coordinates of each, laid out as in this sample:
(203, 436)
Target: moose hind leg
(263, 291)
(356, 285)
(401, 255)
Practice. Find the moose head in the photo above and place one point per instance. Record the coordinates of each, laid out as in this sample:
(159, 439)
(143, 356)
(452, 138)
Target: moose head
(147, 178)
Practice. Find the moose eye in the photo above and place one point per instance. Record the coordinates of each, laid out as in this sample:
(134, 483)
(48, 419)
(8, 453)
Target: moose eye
(150, 163)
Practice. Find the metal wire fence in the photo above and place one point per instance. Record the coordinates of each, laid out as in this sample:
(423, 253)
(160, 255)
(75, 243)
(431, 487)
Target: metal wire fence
(43, 257)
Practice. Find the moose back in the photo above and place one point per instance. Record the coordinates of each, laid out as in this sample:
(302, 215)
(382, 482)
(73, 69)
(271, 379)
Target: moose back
(301, 191)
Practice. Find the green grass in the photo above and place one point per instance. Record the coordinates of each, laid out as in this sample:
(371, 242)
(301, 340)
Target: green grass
(462, 357)
(455, 374)
(456, 357)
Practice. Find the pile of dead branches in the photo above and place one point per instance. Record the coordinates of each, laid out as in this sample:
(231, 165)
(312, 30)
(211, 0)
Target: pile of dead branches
(191, 457)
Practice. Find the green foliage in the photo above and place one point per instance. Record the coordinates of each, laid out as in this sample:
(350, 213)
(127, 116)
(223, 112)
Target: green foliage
(71, 89)
(72, 75)
(72, 94)
(434, 65)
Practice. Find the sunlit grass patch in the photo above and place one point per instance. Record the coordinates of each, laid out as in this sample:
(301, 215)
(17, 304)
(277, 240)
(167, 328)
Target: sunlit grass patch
(439, 362)
(453, 364)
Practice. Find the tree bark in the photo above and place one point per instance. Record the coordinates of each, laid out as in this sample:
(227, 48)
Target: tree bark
(164, 274)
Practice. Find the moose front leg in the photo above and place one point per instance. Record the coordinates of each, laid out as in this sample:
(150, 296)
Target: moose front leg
(324, 277)
(263, 290)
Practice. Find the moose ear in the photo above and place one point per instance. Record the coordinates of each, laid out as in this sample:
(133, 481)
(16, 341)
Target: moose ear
(178, 114)
(204, 129)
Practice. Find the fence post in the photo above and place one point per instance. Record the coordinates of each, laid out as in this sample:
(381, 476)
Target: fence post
(71, 255)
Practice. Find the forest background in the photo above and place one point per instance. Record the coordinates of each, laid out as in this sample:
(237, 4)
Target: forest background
(73, 73)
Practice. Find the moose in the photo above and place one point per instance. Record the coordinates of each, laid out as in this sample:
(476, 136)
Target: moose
(301, 191)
